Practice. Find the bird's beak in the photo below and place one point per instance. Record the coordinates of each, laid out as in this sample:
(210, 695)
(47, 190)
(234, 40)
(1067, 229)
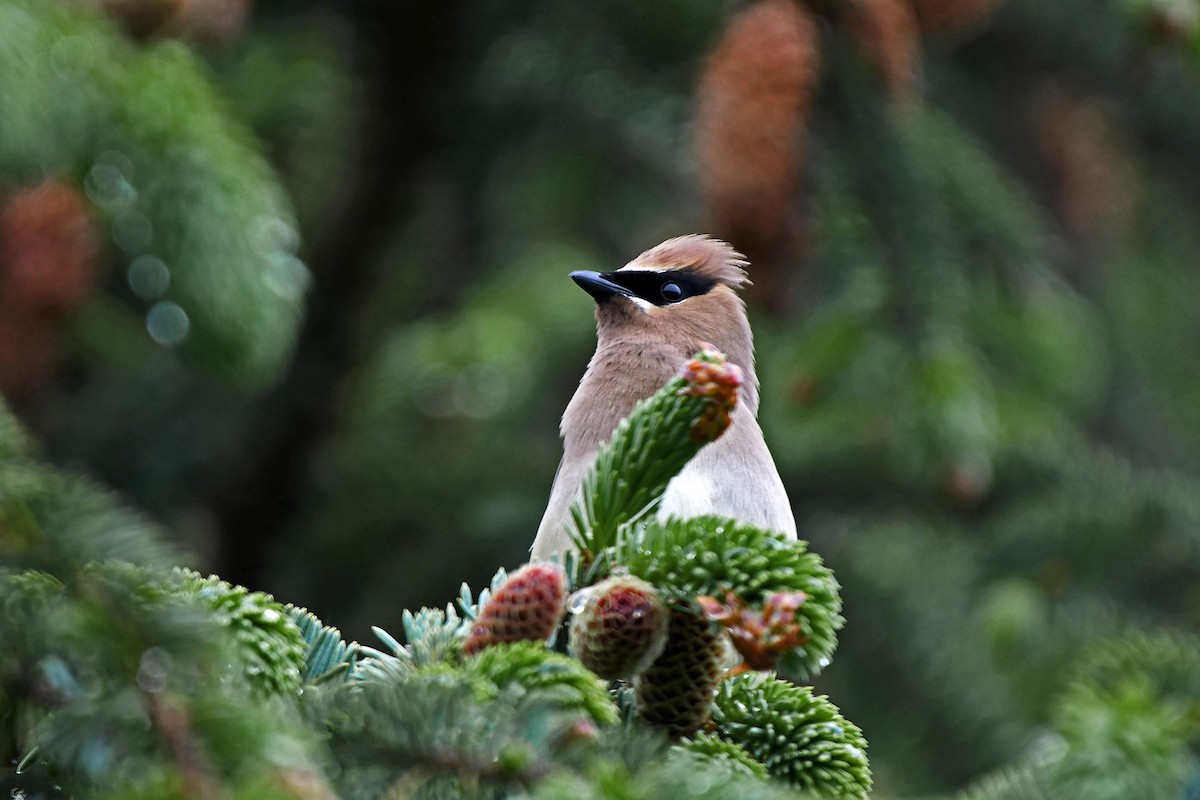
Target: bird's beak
(599, 287)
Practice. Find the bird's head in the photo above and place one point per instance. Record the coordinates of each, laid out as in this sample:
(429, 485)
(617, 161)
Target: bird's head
(684, 291)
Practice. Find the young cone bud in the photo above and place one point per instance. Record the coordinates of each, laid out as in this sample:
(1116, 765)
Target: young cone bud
(676, 691)
(619, 627)
(526, 607)
(763, 636)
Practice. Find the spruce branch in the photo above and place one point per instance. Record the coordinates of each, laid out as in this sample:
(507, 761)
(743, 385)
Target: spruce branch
(58, 522)
(325, 654)
(432, 636)
(164, 159)
(1125, 725)
(14, 441)
(650, 447)
(710, 747)
(441, 725)
(1168, 662)
(684, 774)
(712, 557)
(529, 667)
(800, 737)
(271, 644)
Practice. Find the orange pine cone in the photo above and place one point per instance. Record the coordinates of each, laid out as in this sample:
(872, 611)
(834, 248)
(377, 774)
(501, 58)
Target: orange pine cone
(948, 15)
(887, 31)
(47, 250)
(754, 99)
(1095, 184)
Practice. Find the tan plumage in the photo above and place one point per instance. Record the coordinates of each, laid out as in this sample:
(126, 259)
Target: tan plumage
(640, 346)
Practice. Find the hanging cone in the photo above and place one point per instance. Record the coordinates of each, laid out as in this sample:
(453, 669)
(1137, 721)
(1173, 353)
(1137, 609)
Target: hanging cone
(1095, 185)
(887, 31)
(754, 99)
(47, 256)
(676, 691)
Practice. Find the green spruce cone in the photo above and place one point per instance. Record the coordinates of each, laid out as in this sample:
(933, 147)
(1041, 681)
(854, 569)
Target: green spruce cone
(618, 627)
(801, 738)
(527, 606)
(651, 446)
(711, 556)
(676, 691)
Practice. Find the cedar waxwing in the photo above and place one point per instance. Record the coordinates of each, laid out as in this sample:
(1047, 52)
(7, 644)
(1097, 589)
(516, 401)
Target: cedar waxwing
(651, 316)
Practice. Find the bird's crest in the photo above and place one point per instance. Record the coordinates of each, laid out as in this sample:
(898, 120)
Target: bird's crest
(703, 255)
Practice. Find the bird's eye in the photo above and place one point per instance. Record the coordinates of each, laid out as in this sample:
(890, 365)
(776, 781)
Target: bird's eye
(671, 292)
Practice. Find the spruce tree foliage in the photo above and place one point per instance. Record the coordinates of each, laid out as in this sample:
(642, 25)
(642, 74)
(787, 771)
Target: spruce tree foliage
(978, 378)
(171, 176)
(711, 557)
(124, 674)
(1124, 725)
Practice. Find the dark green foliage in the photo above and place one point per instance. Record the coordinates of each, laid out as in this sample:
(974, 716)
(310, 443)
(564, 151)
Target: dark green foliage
(14, 441)
(709, 556)
(801, 738)
(1129, 718)
(440, 726)
(712, 747)
(174, 178)
(122, 676)
(59, 522)
(270, 643)
(1124, 726)
(530, 667)
(687, 775)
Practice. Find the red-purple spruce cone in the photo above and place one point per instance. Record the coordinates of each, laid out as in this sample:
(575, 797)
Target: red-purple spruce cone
(619, 628)
(676, 691)
(527, 606)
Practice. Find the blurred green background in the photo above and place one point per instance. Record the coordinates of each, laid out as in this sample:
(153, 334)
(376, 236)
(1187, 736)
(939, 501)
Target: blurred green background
(291, 276)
